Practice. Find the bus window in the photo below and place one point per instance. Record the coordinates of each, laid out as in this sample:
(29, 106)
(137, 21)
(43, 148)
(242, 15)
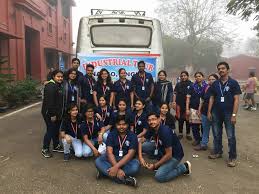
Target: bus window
(121, 36)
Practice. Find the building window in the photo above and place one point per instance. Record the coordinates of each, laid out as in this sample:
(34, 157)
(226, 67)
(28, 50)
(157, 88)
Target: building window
(52, 2)
(50, 12)
(66, 8)
(50, 28)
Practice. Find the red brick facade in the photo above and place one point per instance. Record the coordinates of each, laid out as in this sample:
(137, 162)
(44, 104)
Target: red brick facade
(242, 65)
(35, 35)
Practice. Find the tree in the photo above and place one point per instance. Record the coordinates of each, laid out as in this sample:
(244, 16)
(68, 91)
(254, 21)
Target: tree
(194, 21)
(246, 9)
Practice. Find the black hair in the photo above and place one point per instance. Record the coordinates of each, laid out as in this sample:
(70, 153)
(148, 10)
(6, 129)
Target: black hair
(89, 65)
(75, 59)
(121, 118)
(103, 96)
(185, 72)
(121, 69)
(153, 114)
(87, 108)
(55, 72)
(142, 101)
(198, 72)
(252, 74)
(100, 80)
(143, 62)
(122, 100)
(164, 103)
(214, 75)
(162, 71)
(223, 63)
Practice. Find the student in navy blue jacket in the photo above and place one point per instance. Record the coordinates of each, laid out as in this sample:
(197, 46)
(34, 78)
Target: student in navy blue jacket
(225, 102)
(103, 87)
(122, 89)
(71, 134)
(166, 117)
(89, 84)
(119, 162)
(143, 85)
(166, 148)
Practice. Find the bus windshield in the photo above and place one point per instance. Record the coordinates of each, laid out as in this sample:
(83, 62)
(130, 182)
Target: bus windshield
(121, 36)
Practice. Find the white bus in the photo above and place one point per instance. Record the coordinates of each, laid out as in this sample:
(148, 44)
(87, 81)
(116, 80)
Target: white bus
(120, 33)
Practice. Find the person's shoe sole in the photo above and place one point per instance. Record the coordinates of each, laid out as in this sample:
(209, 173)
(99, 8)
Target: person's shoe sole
(216, 157)
(59, 151)
(189, 167)
(45, 156)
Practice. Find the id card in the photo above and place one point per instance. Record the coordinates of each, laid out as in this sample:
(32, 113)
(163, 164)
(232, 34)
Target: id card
(143, 88)
(91, 91)
(73, 98)
(222, 99)
(156, 152)
(120, 153)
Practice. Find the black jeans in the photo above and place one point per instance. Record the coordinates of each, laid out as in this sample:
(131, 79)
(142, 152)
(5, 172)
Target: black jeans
(52, 132)
(180, 124)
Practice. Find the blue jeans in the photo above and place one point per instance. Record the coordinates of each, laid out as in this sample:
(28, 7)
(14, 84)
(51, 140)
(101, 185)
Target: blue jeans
(130, 169)
(218, 120)
(206, 124)
(169, 170)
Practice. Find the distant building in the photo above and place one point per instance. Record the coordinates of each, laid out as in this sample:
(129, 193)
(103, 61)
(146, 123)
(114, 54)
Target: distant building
(35, 35)
(242, 65)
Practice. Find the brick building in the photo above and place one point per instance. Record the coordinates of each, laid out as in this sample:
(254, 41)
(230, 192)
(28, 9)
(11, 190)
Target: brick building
(35, 35)
(242, 65)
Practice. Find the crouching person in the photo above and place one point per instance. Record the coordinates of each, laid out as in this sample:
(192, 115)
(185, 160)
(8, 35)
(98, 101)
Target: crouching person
(166, 148)
(71, 134)
(119, 162)
(92, 131)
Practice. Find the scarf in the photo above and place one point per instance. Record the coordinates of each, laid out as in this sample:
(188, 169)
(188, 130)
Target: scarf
(199, 89)
(164, 89)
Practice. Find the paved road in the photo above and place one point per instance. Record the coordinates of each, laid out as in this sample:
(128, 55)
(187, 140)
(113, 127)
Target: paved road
(24, 170)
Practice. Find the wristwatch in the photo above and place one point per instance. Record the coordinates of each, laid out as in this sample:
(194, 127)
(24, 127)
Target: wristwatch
(233, 115)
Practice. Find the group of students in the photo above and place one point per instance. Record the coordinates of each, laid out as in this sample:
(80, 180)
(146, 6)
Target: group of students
(118, 122)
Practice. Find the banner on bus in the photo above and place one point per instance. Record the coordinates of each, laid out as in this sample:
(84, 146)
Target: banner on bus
(114, 63)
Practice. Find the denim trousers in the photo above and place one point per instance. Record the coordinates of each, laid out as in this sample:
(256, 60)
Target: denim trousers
(206, 125)
(130, 169)
(79, 147)
(217, 121)
(169, 170)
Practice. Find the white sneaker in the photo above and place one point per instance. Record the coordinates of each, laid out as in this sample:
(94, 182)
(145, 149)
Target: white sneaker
(253, 108)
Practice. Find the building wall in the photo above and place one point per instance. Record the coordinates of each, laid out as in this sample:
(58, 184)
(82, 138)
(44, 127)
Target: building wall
(242, 65)
(50, 32)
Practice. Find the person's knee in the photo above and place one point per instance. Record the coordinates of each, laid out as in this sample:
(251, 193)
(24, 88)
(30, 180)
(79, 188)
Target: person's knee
(68, 139)
(78, 154)
(160, 177)
(87, 153)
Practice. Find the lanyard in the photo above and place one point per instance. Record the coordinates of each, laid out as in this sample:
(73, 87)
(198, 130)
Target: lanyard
(90, 83)
(104, 89)
(91, 130)
(123, 141)
(74, 129)
(136, 120)
(124, 86)
(72, 88)
(162, 121)
(142, 79)
(104, 114)
(157, 141)
(221, 88)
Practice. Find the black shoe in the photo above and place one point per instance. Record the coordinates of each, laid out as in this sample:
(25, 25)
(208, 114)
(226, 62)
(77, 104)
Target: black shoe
(188, 168)
(99, 175)
(46, 153)
(58, 149)
(66, 157)
(131, 181)
(180, 136)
